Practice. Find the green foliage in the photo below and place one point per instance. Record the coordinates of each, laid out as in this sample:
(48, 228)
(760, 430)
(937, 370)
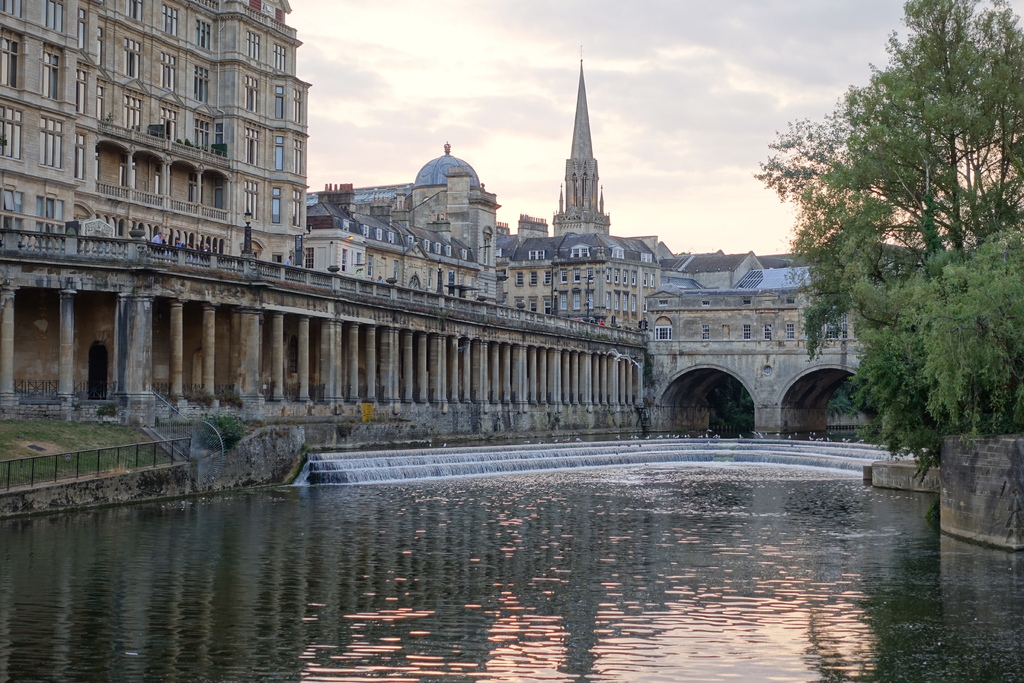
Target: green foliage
(730, 406)
(907, 195)
(229, 398)
(231, 428)
(107, 410)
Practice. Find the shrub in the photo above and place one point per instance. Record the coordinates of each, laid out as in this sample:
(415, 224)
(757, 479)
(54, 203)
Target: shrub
(230, 427)
(230, 398)
(107, 410)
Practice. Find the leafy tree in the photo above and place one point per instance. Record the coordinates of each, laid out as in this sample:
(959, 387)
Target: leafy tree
(912, 185)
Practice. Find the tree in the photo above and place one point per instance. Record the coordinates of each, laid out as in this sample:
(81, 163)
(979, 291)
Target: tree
(898, 194)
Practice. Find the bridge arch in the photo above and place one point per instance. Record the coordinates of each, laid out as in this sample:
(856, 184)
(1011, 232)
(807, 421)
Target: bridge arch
(804, 402)
(684, 403)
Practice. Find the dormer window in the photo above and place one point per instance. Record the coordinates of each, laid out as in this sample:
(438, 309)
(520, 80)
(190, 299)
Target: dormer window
(365, 229)
(378, 233)
(618, 252)
(536, 255)
(447, 250)
(391, 237)
(437, 247)
(580, 252)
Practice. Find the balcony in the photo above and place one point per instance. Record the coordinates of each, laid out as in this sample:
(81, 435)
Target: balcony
(127, 194)
(160, 143)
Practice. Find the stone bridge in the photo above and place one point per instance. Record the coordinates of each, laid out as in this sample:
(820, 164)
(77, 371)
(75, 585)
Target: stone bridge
(790, 392)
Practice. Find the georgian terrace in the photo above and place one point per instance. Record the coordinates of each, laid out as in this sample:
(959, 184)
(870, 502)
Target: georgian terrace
(93, 321)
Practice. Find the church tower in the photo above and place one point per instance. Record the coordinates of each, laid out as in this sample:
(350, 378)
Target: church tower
(581, 203)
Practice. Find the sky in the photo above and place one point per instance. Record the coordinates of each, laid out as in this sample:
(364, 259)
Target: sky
(685, 97)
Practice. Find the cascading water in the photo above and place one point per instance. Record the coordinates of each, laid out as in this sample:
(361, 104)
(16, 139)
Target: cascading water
(406, 465)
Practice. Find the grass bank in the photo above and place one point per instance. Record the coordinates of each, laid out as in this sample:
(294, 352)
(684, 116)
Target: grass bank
(22, 438)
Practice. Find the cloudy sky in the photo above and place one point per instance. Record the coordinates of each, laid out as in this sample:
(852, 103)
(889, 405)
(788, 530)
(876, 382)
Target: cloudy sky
(684, 96)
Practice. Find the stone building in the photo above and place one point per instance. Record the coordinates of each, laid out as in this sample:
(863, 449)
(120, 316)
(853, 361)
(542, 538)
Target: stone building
(179, 117)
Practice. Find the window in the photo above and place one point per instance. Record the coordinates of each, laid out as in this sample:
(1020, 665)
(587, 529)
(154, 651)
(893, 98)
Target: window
(608, 275)
(51, 140)
(278, 152)
(51, 74)
(132, 58)
(705, 332)
(280, 58)
(790, 331)
(101, 101)
(218, 193)
(79, 156)
(52, 209)
(310, 259)
(547, 306)
(533, 278)
(218, 133)
(344, 260)
(662, 329)
(11, 7)
(193, 188)
(53, 15)
(646, 258)
(99, 46)
(252, 93)
(705, 302)
(252, 42)
(564, 274)
(576, 301)
(133, 9)
(297, 204)
(575, 274)
(533, 305)
(203, 34)
(132, 110)
(252, 197)
(519, 279)
(297, 165)
(9, 61)
(297, 105)
(170, 20)
(12, 202)
(616, 276)
(279, 102)
(82, 25)
(275, 205)
(563, 301)
(201, 132)
(200, 83)
(615, 301)
(746, 302)
(633, 278)
(536, 254)
(168, 71)
(618, 252)
(746, 330)
(252, 146)
(608, 300)
(10, 129)
(632, 302)
(169, 117)
(81, 90)
(579, 252)
(767, 332)
(547, 277)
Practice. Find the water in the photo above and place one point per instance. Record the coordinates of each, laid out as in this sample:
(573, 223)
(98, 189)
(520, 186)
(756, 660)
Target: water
(690, 572)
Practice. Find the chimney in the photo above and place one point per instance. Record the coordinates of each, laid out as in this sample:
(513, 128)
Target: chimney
(380, 207)
(341, 195)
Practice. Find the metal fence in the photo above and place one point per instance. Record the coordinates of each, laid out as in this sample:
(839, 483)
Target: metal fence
(47, 469)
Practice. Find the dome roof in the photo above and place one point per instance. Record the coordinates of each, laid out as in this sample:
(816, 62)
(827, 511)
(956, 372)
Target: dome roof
(435, 171)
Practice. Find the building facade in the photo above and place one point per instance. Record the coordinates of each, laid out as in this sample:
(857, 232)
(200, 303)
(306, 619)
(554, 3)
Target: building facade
(179, 117)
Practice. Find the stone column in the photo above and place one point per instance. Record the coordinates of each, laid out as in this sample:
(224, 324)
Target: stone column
(328, 358)
(506, 373)
(277, 355)
(495, 363)
(603, 374)
(234, 344)
(555, 376)
(389, 369)
(177, 347)
(577, 394)
(566, 387)
(542, 375)
(408, 382)
(209, 347)
(133, 354)
(353, 361)
(629, 384)
(585, 376)
(66, 358)
(479, 348)
(436, 371)
(517, 373)
(249, 357)
(531, 374)
(453, 368)
(467, 371)
(7, 395)
(422, 368)
(303, 358)
(372, 377)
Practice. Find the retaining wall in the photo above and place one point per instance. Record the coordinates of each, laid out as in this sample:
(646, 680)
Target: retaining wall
(982, 496)
(902, 475)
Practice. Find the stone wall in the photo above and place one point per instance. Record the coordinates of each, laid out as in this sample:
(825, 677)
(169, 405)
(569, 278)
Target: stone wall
(982, 497)
(902, 475)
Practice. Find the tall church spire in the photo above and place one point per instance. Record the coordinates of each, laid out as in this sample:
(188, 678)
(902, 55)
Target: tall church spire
(583, 211)
(582, 148)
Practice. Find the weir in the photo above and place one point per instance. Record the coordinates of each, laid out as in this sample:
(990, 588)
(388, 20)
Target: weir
(431, 463)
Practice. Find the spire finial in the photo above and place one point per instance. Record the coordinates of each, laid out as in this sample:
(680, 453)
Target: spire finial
(447, 149)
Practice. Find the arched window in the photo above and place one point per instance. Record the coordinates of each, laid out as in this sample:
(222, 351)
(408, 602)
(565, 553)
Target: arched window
(293, 354)
(662, 329)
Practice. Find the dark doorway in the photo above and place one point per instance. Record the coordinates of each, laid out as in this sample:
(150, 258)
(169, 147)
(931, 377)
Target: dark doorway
(97, 386)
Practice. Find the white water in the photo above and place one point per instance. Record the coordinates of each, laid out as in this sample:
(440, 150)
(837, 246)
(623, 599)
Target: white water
(443, 462)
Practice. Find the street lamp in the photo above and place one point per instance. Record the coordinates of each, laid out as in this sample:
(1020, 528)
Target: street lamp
(590, 301)
(247, 237)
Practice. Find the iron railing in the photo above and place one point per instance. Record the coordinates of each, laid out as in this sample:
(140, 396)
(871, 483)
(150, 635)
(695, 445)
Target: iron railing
(47, 469)
(48, 389)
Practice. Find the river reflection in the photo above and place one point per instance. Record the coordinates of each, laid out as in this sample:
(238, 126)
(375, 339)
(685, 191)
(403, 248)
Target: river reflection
(692, 573)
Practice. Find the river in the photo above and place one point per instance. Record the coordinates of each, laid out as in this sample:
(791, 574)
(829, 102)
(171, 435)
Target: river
(695, 572)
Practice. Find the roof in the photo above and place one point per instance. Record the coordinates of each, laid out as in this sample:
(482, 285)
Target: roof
(717, 262)
(435, 171)
(776, 278)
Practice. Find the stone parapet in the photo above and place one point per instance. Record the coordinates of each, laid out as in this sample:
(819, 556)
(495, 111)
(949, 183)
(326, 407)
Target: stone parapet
(982, 496)
(903, 475)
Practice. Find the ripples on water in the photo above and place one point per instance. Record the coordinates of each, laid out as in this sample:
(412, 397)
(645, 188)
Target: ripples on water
(695, 573)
